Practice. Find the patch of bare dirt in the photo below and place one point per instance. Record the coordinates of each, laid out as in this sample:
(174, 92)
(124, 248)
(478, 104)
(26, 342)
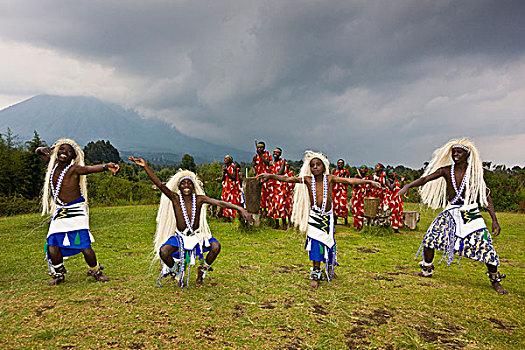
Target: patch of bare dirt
(500, 324)
(319, 309)
(44, 308)
(367, 250)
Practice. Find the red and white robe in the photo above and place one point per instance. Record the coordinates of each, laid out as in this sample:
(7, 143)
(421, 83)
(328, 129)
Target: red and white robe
(358, 203)
(395, 204)
(277, 190)
(231, 191)
(340, 195)
(289, 193)
(261, 168)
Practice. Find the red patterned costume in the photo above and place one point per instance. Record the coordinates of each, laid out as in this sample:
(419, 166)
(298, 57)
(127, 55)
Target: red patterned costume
(289, 193)
(340, 195)
(278, 191)
(261, 168)
(395, 204)
(377, 192)
(231, 191)
(358, 203)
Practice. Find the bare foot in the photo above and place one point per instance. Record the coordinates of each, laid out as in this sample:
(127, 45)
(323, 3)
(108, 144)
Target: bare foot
(499, 288)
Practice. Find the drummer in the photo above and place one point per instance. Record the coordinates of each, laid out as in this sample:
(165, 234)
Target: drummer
(358, 198)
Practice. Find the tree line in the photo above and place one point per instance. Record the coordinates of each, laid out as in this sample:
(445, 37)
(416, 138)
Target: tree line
(22, 175)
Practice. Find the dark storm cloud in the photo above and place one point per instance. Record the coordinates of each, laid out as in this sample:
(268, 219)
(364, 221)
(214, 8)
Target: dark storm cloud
(373, 80)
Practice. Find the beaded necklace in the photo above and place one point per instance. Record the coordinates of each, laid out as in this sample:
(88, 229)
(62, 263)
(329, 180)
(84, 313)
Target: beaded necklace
(193, 211)
(56, 191)
(461, 188)
(325, 193)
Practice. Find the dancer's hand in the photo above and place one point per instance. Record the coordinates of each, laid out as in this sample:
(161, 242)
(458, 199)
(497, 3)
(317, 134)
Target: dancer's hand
(114, 168)
(375, 184)
(263, 177)
(45, 151)
(246, 216)
(495, 228)
(138, 161)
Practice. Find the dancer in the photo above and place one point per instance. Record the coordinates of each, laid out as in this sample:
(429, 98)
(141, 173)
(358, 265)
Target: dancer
(395, 203)
(290, 187)
(455, 175)
(277, 190)
(65, 195)
(260, 164)
(358, 198)
(340, 193)
(182, 225)
(231, 189)
(312, 212)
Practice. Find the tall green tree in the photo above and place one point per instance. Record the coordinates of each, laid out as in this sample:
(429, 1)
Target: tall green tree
(35, 167)
(100, 152)
(12, 179)
(188, 163)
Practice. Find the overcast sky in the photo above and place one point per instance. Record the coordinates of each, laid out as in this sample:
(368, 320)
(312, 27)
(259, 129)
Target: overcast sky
(369, 81)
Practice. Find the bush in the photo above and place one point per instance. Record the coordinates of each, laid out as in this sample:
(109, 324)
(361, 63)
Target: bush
(17, 205)
(106, 189)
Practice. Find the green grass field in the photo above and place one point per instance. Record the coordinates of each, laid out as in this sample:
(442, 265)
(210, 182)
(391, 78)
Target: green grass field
(259, 294)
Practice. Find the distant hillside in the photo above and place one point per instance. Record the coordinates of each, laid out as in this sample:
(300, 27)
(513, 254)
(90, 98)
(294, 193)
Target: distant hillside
(87, 119)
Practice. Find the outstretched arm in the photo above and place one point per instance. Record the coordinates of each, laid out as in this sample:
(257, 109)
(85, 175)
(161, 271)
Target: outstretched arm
(85, 170)
(141, 162)
(354, 181)
(281, 178)
(228, 205)
(422, 180)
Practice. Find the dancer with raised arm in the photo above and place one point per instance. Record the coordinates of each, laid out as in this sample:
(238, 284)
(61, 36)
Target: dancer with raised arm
(312, 211)
(183, 234)
(454, 178)
(65, 196)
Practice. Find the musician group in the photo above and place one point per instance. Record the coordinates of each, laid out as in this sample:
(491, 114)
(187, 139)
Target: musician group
(277, 197)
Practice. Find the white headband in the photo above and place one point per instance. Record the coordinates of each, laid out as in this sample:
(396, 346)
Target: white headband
(183, 178)
(71, 144)
(461, 146)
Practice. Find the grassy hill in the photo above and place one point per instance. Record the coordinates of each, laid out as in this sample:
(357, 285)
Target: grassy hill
(259, 295)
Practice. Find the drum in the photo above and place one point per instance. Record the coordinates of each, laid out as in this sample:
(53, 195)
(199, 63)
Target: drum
(252, 191)
(372, 207)
(410, 219)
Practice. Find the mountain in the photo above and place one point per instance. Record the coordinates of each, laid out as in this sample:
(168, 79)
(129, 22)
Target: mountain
(87, 119)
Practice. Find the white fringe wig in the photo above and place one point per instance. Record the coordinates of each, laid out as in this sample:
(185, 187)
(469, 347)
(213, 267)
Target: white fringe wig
(166, 220)
(434, 193)
(48, 204)
(301, 204)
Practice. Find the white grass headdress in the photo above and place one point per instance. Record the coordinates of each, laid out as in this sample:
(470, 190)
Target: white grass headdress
(301, 204)
(434, 193)
(48, 204)
(166, 220)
